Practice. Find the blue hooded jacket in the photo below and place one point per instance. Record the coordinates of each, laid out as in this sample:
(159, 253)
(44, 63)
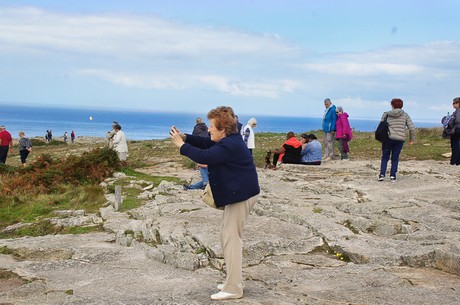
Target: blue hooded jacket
(329, 119)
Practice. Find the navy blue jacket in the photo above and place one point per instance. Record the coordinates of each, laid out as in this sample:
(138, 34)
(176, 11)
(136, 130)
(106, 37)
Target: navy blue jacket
(231, 169)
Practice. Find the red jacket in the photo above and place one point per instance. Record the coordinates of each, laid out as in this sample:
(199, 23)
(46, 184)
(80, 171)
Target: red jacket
(293, 148)
(5, 138)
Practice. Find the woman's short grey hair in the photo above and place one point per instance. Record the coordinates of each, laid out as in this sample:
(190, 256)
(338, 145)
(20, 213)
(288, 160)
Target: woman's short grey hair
(339, 108)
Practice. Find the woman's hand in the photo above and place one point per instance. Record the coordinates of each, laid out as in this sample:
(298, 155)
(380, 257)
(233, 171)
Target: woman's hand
(176, 136)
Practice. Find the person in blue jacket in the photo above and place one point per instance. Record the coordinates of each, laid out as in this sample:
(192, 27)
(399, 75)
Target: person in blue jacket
(329, 120)
(234, 184)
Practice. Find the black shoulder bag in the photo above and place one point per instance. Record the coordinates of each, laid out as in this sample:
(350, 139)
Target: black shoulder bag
(381, 133)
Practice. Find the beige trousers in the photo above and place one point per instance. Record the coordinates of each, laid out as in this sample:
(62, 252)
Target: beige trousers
(122, 156)
(329, 139)
(233, 221)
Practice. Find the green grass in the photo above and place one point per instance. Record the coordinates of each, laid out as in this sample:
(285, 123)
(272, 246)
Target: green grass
(44, 227)
(130, 201)
(154, 179)
(24, 208)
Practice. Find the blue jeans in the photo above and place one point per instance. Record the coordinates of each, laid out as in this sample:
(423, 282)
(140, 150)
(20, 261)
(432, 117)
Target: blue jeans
(393, 148)
(204, 180)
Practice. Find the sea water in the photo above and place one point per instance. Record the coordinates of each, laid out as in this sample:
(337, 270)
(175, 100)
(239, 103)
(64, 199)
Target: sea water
(139, 125)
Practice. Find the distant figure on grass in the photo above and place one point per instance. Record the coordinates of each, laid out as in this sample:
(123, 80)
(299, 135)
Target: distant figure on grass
(289, 152)
(6, 143)
(65, 137)
(110, 134)
(72, 136)
(50, 135)
(248, 134)
(329, 119)
(343, 133)
(200, 129)
(455, 137)
(312, 150)
(398, 121)
(25, 147)
(120, 145)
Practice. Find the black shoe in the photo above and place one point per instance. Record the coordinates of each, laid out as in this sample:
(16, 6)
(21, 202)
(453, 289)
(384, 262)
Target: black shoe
(186, 187)
(393, 179)
(381, 178)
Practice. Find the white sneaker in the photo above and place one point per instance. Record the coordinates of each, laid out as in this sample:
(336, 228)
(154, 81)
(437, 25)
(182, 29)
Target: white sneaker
(222, 295)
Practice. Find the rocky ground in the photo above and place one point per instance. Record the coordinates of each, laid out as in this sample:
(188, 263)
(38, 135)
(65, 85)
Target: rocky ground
(329, 234)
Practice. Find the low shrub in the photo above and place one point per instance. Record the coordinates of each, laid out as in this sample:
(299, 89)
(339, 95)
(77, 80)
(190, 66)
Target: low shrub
(47, 175)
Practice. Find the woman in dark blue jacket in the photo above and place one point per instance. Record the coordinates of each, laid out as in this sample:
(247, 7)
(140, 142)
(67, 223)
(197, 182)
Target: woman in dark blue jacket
(234, 183)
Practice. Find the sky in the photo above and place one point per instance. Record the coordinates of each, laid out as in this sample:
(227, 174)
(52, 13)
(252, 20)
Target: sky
(261, 57)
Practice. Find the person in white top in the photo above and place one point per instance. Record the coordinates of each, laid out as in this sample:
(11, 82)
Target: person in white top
(248, 134)
(120, 144)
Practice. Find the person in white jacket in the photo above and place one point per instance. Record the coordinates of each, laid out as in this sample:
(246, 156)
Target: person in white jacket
(248, 134)
(120, 144)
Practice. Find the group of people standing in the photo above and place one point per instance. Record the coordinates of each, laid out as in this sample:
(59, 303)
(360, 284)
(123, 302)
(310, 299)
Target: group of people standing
(398, 121)
(116, 138)
(308, 150)
(72, 137)
(336, 127)
(49, 136)
(6, 145)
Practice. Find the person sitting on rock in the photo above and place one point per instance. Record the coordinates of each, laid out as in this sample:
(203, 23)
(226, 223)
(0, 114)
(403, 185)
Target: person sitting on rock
(289, 152)
(312, 149)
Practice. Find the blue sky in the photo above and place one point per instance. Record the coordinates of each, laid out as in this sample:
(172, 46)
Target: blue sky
(260, 57)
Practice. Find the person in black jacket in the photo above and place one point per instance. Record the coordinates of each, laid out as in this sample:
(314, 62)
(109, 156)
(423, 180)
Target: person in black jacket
(200, 129)
(234, 184)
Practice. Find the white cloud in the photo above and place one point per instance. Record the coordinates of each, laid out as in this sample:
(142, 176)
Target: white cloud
(120, 35)
(124, 49)
(269, 89)
(363, 69)
(405, 61)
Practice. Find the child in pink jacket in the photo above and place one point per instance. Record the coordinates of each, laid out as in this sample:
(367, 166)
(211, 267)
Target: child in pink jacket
(343, 133)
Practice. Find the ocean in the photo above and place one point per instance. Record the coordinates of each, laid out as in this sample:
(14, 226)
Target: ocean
(138, 125)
